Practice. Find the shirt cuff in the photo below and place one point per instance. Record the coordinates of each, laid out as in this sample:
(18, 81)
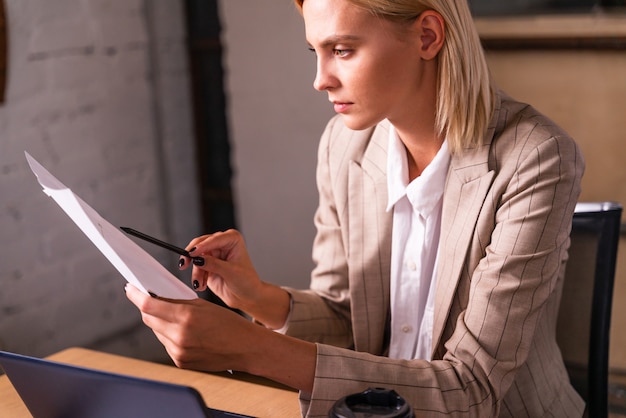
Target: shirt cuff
(285, 326)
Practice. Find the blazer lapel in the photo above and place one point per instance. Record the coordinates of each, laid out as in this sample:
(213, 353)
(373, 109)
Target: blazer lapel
(463, 200)
(469, 180)
(370, 243)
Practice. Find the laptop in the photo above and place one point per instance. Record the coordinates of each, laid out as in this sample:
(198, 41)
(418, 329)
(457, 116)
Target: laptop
(53, 390)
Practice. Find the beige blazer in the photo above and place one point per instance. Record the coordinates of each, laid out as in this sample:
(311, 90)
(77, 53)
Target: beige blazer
(507, 211)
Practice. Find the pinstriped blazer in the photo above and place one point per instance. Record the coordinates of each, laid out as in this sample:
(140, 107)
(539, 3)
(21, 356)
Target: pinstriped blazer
(507, 211)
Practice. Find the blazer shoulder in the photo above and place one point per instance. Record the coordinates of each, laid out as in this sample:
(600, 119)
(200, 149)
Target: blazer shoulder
(520, 120)
(521, 128)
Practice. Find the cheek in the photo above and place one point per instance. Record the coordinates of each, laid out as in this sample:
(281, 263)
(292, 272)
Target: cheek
(368, 83)
(390, 74)
(383, 87)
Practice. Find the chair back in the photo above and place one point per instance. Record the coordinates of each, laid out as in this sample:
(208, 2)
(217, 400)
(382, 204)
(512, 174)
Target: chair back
(584, 320)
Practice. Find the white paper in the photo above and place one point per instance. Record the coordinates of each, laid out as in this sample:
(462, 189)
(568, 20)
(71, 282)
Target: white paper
(137, 266)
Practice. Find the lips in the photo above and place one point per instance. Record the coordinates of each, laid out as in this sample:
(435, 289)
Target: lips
(341, 107)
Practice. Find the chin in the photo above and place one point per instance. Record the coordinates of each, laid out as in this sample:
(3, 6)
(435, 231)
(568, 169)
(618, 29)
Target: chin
(358, 124)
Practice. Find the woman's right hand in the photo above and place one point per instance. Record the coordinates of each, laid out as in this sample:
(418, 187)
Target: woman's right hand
(228, 271)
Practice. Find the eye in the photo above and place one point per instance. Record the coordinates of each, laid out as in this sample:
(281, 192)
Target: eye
(341, 53)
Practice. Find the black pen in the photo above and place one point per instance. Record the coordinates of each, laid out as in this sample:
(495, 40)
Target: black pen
(158, 242)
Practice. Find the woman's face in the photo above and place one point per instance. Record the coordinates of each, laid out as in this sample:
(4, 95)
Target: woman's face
(369, 66)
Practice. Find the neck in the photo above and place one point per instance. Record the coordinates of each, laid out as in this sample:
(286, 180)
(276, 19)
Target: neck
(421, 144)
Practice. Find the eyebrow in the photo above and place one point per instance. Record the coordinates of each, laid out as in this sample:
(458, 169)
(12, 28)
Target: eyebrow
(334, 39)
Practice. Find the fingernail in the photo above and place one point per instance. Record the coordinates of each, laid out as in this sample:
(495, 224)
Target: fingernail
(198, 261)
(196, 284)
(181, 262)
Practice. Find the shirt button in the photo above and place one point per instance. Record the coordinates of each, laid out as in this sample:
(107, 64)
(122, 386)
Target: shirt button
(406, 328)
(411, 265)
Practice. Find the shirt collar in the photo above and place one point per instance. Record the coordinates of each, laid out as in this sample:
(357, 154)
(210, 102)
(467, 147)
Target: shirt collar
(423, 192)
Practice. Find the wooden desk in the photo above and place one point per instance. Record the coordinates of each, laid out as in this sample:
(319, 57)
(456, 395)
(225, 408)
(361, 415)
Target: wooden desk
(240, 392)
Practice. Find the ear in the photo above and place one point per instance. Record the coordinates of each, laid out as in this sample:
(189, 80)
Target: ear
(432, 30)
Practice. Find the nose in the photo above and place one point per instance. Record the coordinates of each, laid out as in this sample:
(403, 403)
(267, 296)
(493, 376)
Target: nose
(324, 78)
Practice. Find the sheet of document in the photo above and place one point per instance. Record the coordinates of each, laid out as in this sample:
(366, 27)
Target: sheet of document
(137, 266)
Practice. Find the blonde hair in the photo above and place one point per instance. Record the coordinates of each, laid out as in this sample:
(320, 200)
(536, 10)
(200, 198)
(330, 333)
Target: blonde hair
(465, 97)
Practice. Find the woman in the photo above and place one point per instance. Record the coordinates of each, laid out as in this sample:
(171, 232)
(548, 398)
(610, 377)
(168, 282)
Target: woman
(442, 233)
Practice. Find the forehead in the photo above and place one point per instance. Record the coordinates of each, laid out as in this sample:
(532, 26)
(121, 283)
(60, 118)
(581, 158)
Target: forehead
(325, 19)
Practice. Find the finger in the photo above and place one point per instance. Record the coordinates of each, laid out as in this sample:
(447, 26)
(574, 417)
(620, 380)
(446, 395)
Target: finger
(216, 244)
(136, 296)
(184, 263)
(215, 266)
(193, 244)
(157, 306)
(199, 279)
(163, 339)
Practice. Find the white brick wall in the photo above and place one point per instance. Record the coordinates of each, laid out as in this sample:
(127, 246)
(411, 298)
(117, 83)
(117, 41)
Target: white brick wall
(97, 92)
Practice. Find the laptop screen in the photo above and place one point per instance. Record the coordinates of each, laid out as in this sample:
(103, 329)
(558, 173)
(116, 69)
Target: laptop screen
(51, 390)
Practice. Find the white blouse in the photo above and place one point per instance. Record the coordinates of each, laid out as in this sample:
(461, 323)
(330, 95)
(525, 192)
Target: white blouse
(416, 229)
